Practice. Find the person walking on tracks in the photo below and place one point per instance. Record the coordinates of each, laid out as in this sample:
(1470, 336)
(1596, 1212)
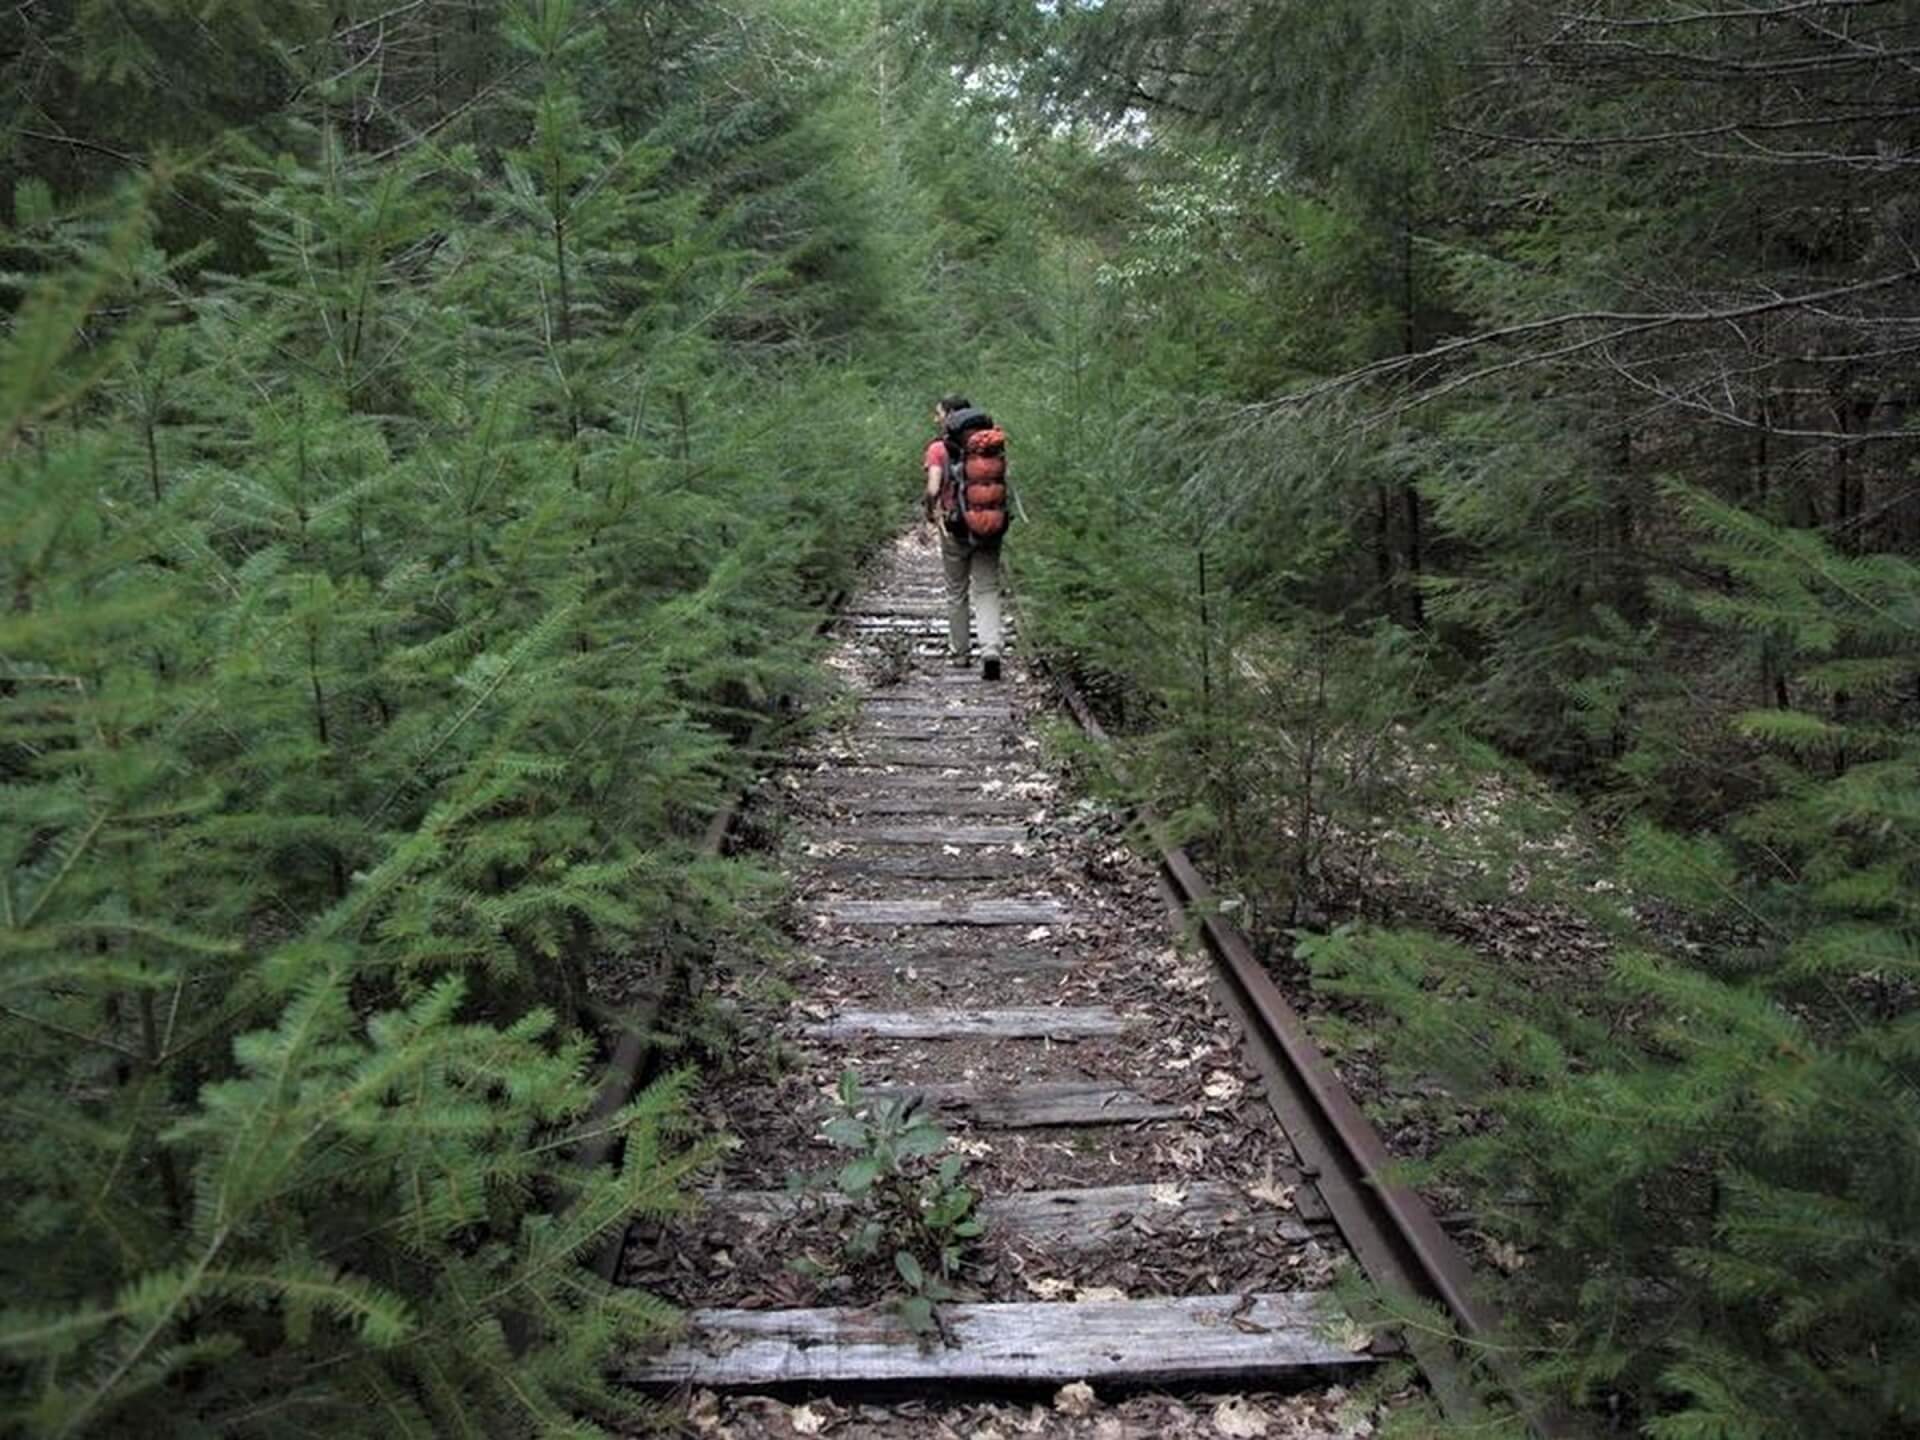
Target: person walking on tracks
(966, 500)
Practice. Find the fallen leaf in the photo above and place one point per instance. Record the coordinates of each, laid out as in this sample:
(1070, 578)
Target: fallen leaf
(1169, 1194)
(1507, 1257)
(1046, 1287)
(1223, 1086)
(703, 1412)
(1039, 932)
(1354, 1337)
(1187, 1153)
(1240, 1419)
(1098, 1292)
(1271, 1192)
(1077, 1399)
(806, 1420)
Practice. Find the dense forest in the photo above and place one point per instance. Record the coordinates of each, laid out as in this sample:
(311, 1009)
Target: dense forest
(1466, 450)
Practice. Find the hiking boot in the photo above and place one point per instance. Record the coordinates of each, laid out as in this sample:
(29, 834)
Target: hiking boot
(990, 668)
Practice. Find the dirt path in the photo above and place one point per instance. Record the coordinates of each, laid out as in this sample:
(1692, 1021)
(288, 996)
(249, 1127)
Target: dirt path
(975, 944)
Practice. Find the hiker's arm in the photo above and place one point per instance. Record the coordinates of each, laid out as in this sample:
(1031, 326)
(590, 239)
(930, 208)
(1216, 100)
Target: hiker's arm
(931, 499)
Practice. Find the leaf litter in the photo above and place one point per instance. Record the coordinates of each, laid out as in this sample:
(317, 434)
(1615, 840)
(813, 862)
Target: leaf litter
(771, 1090)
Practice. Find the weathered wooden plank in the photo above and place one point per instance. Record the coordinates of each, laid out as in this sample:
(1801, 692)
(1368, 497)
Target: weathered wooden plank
(968, 865)
(939, 965)
(1070, 1221)
(941, 703)
(951, 729)
(1000, 770)
(925, 641)
(912, 778)
(1019, 1022)
(1245, 1338)
(1039, 1104)
(909, 834)
(930, 624)
(959, 910)
(857, 762)
(946, 687)
(956, 806)
(890, 708)
(1085, 1219)
(947, 729)
(905, 705)
(937, 683)
(975, 759)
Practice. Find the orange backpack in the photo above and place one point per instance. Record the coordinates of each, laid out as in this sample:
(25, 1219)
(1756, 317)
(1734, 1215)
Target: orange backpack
(976, 476)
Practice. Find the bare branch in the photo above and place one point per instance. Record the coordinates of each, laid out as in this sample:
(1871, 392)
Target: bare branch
(1699, 63)
(1705, 132)
(487, 93)
(1747, 12)
(78, 144)
(1624, 325)
(1729, 415)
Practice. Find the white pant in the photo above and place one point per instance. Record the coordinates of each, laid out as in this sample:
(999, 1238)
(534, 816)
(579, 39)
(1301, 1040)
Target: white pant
(972, 567)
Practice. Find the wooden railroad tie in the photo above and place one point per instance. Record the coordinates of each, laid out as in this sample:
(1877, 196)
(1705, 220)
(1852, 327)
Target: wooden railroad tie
(959, 911)
(1037, 1105)
(1077, 1220)
(1184, 1340)
(1020, 1022)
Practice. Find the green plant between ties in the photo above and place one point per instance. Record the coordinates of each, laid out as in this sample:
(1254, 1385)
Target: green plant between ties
(900, 1198)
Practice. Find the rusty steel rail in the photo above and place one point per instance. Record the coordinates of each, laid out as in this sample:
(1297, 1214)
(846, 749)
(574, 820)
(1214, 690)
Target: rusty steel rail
(1390, 1229)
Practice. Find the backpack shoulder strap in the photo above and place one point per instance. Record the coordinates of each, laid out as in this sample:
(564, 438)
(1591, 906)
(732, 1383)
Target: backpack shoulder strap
(962, 421)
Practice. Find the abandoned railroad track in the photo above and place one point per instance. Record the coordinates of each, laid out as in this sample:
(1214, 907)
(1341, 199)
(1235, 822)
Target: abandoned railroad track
(989, 1026)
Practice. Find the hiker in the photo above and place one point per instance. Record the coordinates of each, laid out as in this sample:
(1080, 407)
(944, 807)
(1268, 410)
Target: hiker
(966, 501)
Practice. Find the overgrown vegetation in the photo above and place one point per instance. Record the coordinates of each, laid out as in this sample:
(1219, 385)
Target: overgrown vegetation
(905, 1205)
(400, 525)
(426, 433)
(1553, 372)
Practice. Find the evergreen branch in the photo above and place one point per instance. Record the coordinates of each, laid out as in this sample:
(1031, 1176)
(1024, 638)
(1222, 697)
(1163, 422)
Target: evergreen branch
(54, 1027)
(25, 1331)
(523, 650)
(74, 142)
(168, 935)
(67, 866)
(184, 1289)
(454, 114)
(381, 1318)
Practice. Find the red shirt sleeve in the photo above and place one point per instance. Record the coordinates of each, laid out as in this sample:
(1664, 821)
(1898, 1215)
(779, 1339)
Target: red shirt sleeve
(936, 454)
